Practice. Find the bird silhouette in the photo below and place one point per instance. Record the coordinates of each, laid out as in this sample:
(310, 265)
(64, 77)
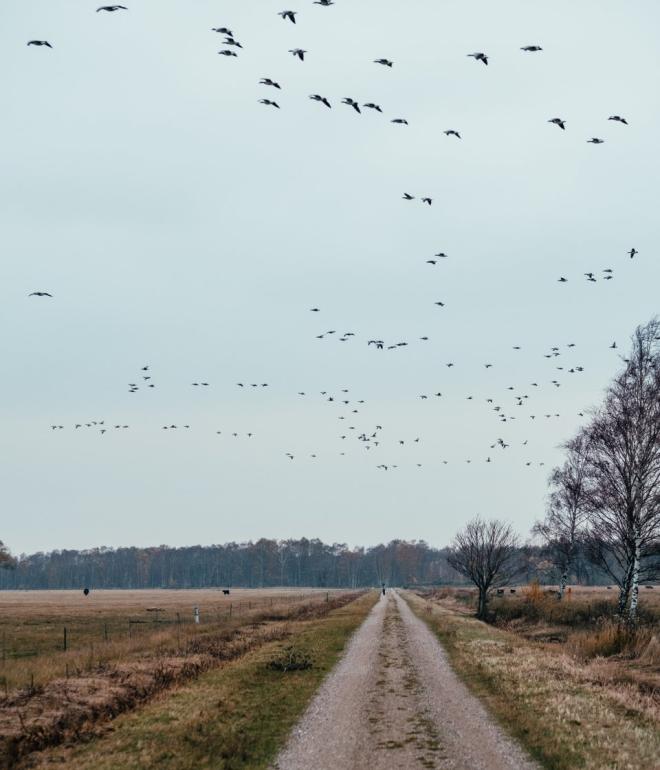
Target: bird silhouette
(290, 15)
(40, 294)
(319, 98)
(299, 52)
(452, 132)
(112, 8)
(269, 82)
(351, 103)
(479, 56)
(384, 62)
(269, 103)
(40, 43)
(618, 119)
(558, 122)
(531, 48)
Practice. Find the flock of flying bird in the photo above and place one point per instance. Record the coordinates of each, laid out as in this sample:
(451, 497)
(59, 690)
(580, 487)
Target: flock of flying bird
(348, 407)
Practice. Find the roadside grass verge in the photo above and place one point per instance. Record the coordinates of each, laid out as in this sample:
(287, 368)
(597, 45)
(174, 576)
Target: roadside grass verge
(235, 717)
(568, 713)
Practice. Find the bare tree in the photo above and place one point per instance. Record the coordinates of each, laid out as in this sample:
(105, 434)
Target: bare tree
(486, 553)
(563, 526)
(623, 471)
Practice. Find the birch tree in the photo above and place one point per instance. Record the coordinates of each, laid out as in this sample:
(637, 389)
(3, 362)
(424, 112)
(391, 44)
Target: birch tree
(623, 471)
(563, 526)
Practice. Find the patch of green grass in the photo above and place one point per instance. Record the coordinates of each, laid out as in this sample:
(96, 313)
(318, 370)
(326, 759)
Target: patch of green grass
(235, 717)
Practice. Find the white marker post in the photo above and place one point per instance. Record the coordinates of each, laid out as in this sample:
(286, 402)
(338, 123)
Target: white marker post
(196, 611)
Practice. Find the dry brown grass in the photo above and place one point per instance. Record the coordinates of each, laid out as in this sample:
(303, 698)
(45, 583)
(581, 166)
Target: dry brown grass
(569, 705)
(115, 676)
(111, 626)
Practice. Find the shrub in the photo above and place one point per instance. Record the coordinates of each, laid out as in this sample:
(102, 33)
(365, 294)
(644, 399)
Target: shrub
(291, 658)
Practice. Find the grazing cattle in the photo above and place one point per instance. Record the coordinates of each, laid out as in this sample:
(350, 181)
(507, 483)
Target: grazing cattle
(512, 590)
(86, 591)
(225, 591)
(609, 588)
(648, 586)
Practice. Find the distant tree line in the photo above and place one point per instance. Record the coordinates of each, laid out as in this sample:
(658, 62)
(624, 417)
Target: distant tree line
(265, 563)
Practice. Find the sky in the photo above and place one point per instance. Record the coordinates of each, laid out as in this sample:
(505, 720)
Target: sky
(181, 225)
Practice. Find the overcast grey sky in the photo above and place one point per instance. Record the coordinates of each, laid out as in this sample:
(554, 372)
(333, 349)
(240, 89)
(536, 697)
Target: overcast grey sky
(182, 225)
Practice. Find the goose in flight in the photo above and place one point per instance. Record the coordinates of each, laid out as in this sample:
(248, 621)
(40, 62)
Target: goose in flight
(40, 43)
(408, 197)
(531, 48)
(269, 103)
(223, 31)
(372, 106)
(479, 56)
(227, 53)
(290, 15)
(269, 82)
(632, 252)
(427, 200)
(595, 140)
(452, 132)
(231, 41)
(384, 62)
(618, 119)
(319, 98)
(351, 103)
(400, 121)
(112, 8)
(299, 52)
(559, 122)
(40, 294)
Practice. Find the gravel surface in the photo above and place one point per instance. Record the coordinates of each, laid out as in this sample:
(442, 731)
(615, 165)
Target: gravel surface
(394, 702)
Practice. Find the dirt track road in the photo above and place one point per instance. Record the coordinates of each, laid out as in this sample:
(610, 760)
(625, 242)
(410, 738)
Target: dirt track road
(394, 702)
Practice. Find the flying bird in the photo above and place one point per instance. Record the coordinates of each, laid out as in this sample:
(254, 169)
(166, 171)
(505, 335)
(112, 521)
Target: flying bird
(40, 294)
(384, 62)
(269, 82)
(479, 56)
(40, 43)
(299, 52)
(269, 103)
(401, 121)
(112, 8)
(319, 98)
(408, 197)
(291, 15)
(227, 53)
(427, 200)
(372, 106)
(223, 31)
(559, 122)
(595, 140)
(531, 48)
(351, 103)
(632, 252)
(618, 119)
(451, 132)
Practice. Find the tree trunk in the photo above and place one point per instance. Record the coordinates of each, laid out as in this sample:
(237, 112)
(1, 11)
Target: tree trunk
(562, 584)
(624, 590)
(634, 588)
(481, 611)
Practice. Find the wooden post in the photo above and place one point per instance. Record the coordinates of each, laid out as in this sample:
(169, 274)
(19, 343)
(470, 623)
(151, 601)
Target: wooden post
(230, 605)
(105, 632)
(64, 644)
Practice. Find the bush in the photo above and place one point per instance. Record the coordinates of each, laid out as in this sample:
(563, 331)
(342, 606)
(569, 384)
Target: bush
(291, 658)
(611, 638)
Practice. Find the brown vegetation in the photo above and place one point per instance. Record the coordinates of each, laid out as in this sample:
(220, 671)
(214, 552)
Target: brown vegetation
(576, 690)
(115, 676)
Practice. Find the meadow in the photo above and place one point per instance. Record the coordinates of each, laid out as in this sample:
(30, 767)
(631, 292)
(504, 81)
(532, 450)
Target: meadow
(121, 648)
(565, 678)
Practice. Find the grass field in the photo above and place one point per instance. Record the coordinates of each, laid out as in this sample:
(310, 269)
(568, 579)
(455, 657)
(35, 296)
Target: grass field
(107, 626)
(124, 648)
(555, 674)
(233, 717)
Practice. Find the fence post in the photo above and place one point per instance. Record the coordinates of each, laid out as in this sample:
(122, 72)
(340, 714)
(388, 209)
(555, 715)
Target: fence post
(105, 632)
(230, 605)
(64, 645)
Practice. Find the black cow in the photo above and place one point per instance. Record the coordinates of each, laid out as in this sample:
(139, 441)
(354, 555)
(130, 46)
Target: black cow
(225, 591)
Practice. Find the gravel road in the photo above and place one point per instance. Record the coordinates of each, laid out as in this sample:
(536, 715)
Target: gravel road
(394, 702)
